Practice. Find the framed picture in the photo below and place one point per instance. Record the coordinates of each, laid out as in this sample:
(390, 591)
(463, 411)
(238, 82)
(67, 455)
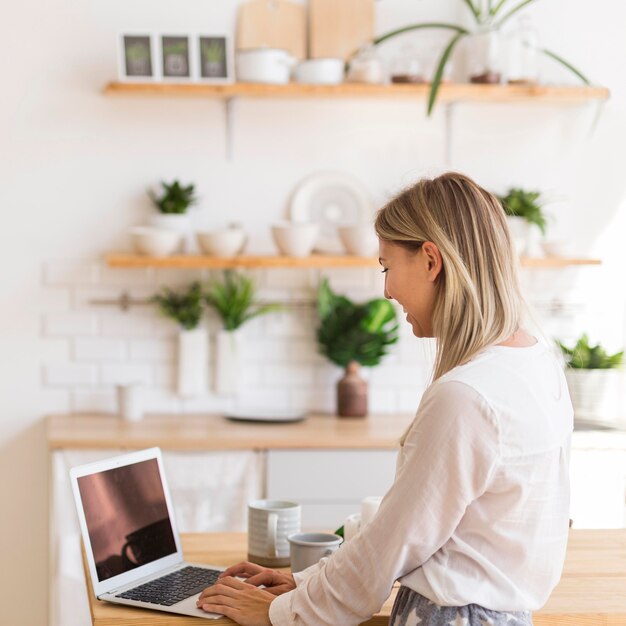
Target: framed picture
(136, 58)
(214, 59)
(176, 58)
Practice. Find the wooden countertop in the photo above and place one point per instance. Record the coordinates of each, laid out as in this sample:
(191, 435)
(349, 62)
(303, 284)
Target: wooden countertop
(592, 590)
(214, 432)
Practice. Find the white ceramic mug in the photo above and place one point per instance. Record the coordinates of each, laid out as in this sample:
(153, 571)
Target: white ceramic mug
(130, 401)
(307, 549)
(270, 522)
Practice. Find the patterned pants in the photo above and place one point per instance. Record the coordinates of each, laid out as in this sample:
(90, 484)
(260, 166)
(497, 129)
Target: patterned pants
(412, 609)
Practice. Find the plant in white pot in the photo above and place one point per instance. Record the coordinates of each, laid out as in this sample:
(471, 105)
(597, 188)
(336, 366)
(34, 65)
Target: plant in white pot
(234, 300)
(527, 222)
(172, 204)
(186, 309)
(351, 335)
(594, 380)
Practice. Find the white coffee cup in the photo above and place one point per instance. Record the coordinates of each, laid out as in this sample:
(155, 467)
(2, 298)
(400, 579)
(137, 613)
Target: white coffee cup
(357, 521)
(270, 522)
(307, 549)
(130, 401)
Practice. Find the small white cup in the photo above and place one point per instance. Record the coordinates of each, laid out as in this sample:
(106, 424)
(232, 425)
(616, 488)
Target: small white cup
(270, 522)
(130, 402)
(222, 243)
(307, 549)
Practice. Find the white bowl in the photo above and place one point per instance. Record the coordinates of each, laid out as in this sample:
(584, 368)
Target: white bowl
(295, 239)
(155, 241)
(264, 65)
(223, 243)
(359, 239)
(320, 71)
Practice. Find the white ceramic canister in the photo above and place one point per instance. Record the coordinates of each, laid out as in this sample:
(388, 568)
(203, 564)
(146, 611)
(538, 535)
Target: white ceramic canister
(320, 71)
(264, 65)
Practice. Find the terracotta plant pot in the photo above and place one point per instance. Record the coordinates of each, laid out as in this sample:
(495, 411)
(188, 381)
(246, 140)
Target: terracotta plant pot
(352, 393)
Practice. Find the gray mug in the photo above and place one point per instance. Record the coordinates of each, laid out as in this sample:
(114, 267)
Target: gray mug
(306, 549)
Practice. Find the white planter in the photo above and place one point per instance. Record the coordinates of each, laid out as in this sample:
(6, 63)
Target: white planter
(193, 350)
(178, 222)
(520, 233)
(596, 395)
(227, 361)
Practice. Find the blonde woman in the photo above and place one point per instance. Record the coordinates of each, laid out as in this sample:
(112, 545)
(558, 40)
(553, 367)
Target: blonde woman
(475, 524)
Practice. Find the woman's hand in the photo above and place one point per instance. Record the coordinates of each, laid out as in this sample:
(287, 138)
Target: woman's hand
(275, 582)
(243, 603)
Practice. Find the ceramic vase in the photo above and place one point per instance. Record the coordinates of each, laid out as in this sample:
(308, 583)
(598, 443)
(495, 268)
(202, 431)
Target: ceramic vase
(193, 356)
(179, 222)
(227, 361)
(352, 393)
(597, 395)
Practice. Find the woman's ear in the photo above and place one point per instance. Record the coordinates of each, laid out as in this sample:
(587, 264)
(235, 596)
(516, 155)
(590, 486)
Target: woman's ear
(433, 259)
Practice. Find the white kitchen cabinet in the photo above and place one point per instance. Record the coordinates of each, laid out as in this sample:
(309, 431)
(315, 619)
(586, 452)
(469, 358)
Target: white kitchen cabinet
(329, 484)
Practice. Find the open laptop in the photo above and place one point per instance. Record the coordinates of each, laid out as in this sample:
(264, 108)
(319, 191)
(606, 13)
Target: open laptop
(129, 531)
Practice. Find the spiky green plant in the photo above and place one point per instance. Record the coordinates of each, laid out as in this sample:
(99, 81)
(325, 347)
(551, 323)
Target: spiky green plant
(354, 332)
(233, 298)
(491, 14)
(175, 199)
(185, 307)
(585, 356)
(521, 203)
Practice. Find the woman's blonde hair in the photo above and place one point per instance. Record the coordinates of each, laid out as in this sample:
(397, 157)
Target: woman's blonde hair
(478, 301)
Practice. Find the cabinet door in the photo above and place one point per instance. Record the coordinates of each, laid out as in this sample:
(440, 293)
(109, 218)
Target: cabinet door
(329, 484)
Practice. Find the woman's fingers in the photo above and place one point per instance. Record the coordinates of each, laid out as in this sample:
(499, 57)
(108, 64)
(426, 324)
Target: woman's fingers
(243, 570)
(226, 586)
(224, 609)
(264, 578)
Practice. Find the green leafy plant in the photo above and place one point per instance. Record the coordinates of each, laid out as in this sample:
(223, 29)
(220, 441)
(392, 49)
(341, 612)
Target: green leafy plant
(492, 14)
(212, 51)
(175, 199)
(521, 203)
(585, 356)
(185, 307)
(354, 332)
(234, 300)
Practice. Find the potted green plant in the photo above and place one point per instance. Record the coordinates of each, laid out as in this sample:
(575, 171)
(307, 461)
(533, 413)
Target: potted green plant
(234, 300)
(186, 309)
(489, 17)
(351, 335)
(594, 380)
(172, 204)
(524, 210)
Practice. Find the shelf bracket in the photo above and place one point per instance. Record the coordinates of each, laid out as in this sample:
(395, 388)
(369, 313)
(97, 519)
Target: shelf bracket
(229, 126)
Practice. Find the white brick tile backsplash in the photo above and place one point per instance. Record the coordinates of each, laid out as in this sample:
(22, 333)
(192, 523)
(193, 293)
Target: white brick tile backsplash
(396, 375)
(70, 273)
(289, 279)
(305, 351)
(408, 400)
(54, 350)
(208, 404)
(354, 280)
(70, 324)
(94, 401)
(124, 374)
(319, 399)
(55, 299)
(381, 400)
(160, 401)
(165, 376)
(159, 350)
(293, 323)
(100, 349)
(70, 375)
(129, 324)
(104, 297)
(267, 350)
(175, 279)
(126, 276)
(287, 375)
(261, 399)
(54, 401)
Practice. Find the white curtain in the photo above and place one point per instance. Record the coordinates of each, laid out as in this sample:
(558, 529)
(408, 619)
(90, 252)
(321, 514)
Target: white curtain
(210, 492)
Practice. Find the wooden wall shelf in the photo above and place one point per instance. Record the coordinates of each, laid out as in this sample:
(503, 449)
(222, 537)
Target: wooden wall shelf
(314, 261)
(448, 93)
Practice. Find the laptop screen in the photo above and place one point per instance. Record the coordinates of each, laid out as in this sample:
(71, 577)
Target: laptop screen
(126, 516)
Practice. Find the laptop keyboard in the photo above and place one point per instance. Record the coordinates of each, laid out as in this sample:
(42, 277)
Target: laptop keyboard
(172, 588)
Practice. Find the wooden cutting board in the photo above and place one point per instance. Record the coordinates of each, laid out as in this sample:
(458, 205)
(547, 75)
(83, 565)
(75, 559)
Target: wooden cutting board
(337, 28)
(272, 23)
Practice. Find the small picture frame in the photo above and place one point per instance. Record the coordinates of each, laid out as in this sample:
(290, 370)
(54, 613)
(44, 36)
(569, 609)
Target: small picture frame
(176, 57)
(214, 59)
(137, 60)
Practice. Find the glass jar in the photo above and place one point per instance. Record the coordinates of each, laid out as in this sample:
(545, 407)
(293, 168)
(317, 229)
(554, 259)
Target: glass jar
(367, 67)
(483, 51)
(522, 54)
(406, 67)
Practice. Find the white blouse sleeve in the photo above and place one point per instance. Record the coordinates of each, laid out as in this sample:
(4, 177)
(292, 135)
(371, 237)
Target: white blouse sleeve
(446, 462)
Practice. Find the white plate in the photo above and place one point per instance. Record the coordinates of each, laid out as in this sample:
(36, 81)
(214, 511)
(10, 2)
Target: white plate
(330, 198)
(274, 417)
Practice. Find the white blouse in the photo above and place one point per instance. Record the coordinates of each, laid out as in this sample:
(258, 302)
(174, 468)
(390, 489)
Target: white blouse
(478, 512)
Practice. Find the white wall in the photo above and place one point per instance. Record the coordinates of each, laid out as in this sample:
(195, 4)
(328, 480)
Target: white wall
(75, 165)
